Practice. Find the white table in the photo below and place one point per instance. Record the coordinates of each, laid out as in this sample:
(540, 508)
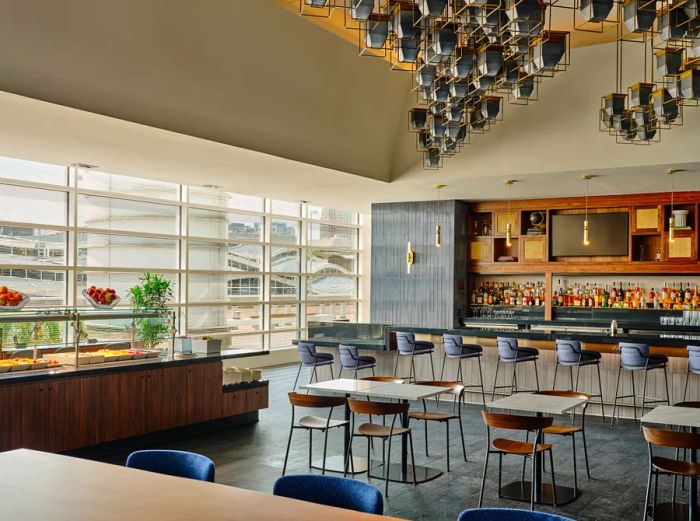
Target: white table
(688, 417)
(401, 472)
(540, 404)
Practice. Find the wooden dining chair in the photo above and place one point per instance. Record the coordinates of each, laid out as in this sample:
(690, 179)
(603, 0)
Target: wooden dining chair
(314, 423)
(457, 390)
(571, 430)
(505, 446)
(659, 465)
(384, 432)
(690, 405)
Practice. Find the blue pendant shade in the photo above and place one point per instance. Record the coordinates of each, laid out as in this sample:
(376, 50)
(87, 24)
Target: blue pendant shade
(639, 15)
(672, 24)
(418, 119)
(690, 84)
(668, 62)
(490, 60)
(452, 130)
(432, 158)
(645, 121)
(640, 94)
(432, 8)
(445, 39)
(316, 3)
(625, 125)
(403, 23)
(436, 126)
(423, 140)
(459, 89)
(524, 88)
(376, 33)
(483, 84)
(361, 9)
(455, 112)
(425, 75)
(476, 121)
(549, 50)
(595, 10)
(407, 49)
(463, 64)
(665, 106)
(491, 107)
(441, 91)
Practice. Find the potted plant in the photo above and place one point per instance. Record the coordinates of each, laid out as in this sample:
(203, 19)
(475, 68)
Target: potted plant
(152, 293)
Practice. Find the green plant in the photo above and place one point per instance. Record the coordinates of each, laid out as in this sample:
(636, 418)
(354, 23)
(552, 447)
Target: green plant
(153, 293)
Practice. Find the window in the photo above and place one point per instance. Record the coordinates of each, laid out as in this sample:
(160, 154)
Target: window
(244, 269)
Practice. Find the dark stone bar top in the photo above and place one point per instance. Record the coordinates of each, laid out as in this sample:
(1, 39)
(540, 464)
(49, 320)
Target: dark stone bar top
(67, 371)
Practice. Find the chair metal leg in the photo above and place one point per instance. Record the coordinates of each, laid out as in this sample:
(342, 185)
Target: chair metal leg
(311, 378)
(369, 457)
(354, 376)
(571, 377)
(685, 390)
(537, 378)
(373, 371)
(481, 383)
(554, 382)
(432, 365)
(573, 451)
(617, 387)
(442, 370)
(413, 459)
(532, 487)
(340, 373)
(447, 439)
(396, 366)
(578, 373)
(348, 457)
(495, 379)
(412, 371)
(325, 451)
(296, 381)
(500, 472)
(585, 453)
(331, 368)
(514, 379)
(483, 478)
(646, 499)
(286, 454)
(644, 396)
(311, 446)
(600, 390)
(387, 464)
(668, 395)
(426, 438)
(554, 483)
(461, 433)
(634, 396)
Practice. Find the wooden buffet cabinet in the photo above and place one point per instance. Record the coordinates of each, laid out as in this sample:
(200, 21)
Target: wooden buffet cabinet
(70, 412)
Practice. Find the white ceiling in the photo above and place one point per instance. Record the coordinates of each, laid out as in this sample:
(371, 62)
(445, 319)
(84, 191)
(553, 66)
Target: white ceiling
(186, 73)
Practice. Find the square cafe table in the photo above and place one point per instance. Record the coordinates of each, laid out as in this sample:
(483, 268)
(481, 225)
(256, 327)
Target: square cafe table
(688, 417)
(540, 404)
(401, 472)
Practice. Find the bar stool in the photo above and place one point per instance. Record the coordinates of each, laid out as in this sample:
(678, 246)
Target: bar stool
(510, 353)
(689, 405)
(350, 359)
(308, 357)
(314, 423)
(693, 366)
(570, 353)
(407, 345)
(455, 348)
(457, 389)
(503, 446)
(571, 430)
(383, 432)
(666, 466)
(633, 358)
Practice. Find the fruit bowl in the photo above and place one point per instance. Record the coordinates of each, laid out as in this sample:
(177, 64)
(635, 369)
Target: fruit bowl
(17, 304)
(100, 305)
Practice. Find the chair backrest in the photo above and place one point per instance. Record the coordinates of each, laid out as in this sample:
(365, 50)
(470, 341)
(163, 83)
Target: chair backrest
(507, 514)
(405, 341)
(453, 344)
(377, 408)
(507, 347)
(314, 401)
(691, 405)
(673, 439)
(457, 388)
(694, 358)
(514, 422)
(633, 354)
(173, 463)
(348, 355)
(331, 491)
(307, 352)
(387, 379)
(568, 351)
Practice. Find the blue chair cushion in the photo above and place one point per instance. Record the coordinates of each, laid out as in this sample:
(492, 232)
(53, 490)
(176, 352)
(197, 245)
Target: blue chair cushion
(507, 514)
(173, 463)
(367, 360)
(587, 358)
(417, 351)
(331, 491)
(524, 353)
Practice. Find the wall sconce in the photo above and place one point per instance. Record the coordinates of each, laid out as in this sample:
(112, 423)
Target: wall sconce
(409, 258)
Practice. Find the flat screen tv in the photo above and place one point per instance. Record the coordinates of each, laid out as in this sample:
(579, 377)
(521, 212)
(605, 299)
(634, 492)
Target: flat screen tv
(608, 235)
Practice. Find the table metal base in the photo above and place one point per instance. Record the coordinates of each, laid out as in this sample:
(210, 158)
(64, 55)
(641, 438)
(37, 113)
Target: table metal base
(336, 464)
(670, 512)
(520, 491)
(396, 475)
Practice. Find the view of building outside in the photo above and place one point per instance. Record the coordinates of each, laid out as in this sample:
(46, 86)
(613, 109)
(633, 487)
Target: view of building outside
(248, 270)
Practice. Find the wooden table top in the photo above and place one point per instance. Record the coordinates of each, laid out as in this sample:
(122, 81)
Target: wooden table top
(372, 389)
(40, 486)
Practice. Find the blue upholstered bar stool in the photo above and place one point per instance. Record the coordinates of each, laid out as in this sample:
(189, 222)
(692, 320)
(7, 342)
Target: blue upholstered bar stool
(693, 366)
(350, 359)
(510, 353)
(633, 358)
(308, 357)
(173, 463)
(507, 514)
(407, 345)
(332, 491)
(456, 349)
(570, 354)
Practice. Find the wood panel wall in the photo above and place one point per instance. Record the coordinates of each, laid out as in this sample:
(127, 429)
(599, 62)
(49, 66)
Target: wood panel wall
(433, 294)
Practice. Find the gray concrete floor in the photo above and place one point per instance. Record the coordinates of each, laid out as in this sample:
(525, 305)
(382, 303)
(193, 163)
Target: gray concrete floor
(251, 457)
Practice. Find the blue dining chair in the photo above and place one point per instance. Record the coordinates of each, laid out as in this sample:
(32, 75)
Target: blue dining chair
(173, 463)
(331, 491)
(507, 514)
(350, 359)
(635, 357)
(693, 366)
(456, 349)
(308, 357)
(407, 345)
(509, 352)
(571, 354)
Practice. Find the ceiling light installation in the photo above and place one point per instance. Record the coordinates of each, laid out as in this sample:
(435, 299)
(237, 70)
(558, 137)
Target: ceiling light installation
(467, 56)
(670, 79)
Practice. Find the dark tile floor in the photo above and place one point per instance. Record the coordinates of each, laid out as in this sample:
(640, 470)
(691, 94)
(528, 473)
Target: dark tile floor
(251, 457)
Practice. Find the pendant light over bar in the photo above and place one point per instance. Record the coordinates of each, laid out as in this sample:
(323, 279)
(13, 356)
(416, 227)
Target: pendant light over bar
(509, 226)
(586, 224)
(672, 218)
(438, 237)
